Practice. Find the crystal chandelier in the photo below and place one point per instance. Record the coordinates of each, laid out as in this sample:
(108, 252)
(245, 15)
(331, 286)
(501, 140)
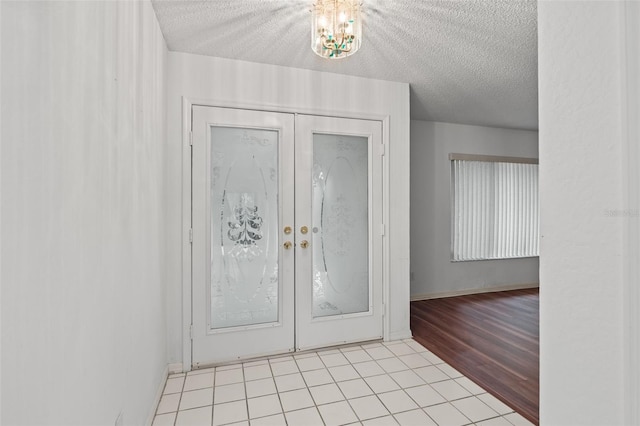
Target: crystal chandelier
(336, 28)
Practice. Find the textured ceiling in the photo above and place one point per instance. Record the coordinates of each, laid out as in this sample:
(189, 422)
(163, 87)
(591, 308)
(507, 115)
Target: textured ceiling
(467, 61)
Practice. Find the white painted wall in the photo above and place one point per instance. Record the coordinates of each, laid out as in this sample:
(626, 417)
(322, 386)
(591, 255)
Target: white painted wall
(581, 182)
(631, 152)
(230, 82)
(433, 272)
(83, 143)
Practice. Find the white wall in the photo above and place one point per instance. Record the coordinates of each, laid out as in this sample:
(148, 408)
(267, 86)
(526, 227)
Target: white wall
(632, 202)
(433, 272)
(83, 299)
(227, 82)
(581, 285)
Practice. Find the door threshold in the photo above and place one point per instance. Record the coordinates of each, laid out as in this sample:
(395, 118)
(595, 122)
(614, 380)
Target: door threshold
(282, 355)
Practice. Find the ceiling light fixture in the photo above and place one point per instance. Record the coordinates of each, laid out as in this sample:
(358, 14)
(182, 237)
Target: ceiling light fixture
(336, 28)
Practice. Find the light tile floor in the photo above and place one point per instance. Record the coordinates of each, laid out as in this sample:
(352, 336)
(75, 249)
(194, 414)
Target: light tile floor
(391, 383)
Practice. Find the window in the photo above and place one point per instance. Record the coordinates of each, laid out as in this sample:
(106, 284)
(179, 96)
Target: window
(495, 207)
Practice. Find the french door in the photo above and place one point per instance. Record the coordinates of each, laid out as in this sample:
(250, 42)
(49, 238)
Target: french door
(287, 241)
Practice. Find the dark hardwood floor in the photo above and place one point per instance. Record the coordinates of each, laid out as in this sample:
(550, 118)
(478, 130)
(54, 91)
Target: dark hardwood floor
(492, 338)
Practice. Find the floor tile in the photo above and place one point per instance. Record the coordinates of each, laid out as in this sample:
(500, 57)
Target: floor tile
(391, 365)
(168, 403)
(295, 400)
(255, 363)
(517, 420)
(317, 377)
(280, 358)
(380, 352)
(355, 388)
(450, 390)
(326, 393)
(226, 377)
(407, 379)
(334, 359)
(497, 405)
(497, 421)
(229, 367)
(195, 417)
(401, 349)
(414, 418)
(429, 356)
(289, 382)
(201, 371)
(323, 352)
(277, 420)
(431, 374)
(350, 348)
(229, 412)
(285, 367)
(474, 409)
(450, 371)
(357, 356)
(380, 421)
(425, 396)
(446, 414)
(174, 385)
(302, 355)
(164, 419)
(368, 407)
(414, 360)
(343, 372)
(264, 406)
(257, 372)
(337, 413)
(415, 345)
(397, 401)
(372, 345)
(312, 363)
(198, 381)
(470, 386)
(260, 387)
(228, 393)
(369, 368)
(172, 375)
(196, 398)
(306, 417)
(383, 383)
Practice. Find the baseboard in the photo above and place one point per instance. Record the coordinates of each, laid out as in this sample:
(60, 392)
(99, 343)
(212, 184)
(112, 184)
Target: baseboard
(175, 368)
(156, 400)
(473, 291)
(400, 335)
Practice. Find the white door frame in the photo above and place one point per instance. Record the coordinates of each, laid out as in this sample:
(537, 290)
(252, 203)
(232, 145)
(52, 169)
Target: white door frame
(187, 104)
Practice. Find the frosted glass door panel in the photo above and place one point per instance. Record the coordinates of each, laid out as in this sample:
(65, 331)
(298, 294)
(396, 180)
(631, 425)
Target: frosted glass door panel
(244, 227)
(340, 225)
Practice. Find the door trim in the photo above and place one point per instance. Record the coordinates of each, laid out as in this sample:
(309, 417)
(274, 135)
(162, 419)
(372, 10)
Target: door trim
(186, 219)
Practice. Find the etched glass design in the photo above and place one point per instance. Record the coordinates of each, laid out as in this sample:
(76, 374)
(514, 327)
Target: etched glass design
(244, 223)
(340, 225)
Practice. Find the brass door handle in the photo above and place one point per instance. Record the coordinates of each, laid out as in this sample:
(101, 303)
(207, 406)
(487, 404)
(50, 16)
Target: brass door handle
(287, 230)
(304, 244)
(287, 245)
(304, 230)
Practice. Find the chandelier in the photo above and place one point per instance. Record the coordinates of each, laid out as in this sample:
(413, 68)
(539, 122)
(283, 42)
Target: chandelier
(336, 28)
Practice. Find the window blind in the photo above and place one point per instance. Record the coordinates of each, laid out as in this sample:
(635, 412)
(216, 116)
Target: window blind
(495, 209)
